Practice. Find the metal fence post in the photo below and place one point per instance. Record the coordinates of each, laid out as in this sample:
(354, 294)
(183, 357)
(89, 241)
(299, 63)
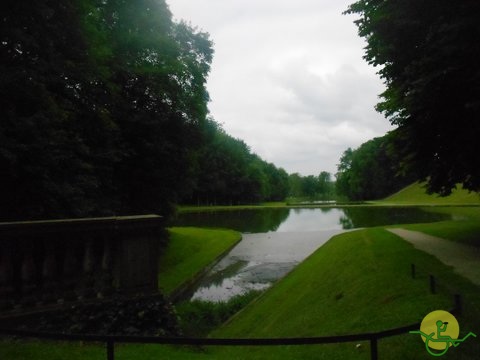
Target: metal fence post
(110, 350)
(373, 349)
(458, 304)
(432, 284)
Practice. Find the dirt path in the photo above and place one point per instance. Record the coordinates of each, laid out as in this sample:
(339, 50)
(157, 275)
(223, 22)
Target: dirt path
(463, 258)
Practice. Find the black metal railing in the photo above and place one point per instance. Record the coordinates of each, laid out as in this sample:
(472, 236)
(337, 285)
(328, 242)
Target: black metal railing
(111, 340)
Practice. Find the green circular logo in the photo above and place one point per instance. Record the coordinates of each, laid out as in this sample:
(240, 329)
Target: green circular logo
(439, 331)
(440, 325)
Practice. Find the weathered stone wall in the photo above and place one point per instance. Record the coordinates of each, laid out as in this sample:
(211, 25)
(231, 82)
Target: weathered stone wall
(50, 262)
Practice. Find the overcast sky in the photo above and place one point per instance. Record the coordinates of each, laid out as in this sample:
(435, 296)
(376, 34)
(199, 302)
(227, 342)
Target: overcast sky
(288, 78)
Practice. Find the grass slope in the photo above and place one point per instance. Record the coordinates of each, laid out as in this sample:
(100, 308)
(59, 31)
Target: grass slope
(415, 194)
(464, 226)
(357, 282)
(189, 251)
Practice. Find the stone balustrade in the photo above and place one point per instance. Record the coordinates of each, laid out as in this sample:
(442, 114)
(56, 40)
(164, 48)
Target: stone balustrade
(52, 262)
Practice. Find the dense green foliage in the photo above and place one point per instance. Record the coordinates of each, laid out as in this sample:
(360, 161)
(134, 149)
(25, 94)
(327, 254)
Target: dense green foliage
(429, 56)
(311, 187)
(141, 316)
(370, 172)
(198, 318)
(227, 172)
(102, 102)
(104, 112)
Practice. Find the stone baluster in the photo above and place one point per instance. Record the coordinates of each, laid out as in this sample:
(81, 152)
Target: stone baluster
(28, 273)
(105, 280)
(6, 278)
(87, 282)
(74, 259)
(49, 273)
(71, 271)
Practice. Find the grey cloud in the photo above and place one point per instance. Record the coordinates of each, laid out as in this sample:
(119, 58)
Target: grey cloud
(288, 78)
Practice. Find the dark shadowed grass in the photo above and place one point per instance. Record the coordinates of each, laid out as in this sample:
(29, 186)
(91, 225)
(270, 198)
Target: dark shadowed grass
(198, 318)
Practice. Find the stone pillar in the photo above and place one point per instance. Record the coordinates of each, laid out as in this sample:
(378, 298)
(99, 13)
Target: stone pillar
(71, 271)
(46, 261)
(137, 266)
(87, 280)
(105, 278)
(28, 273)
(49, 273)
(6, 278)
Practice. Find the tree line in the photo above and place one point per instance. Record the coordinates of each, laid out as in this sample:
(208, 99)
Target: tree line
(311, 187)
(104, 112)
(102, 105)
(226, 172)
(428, 54)
(371, 171)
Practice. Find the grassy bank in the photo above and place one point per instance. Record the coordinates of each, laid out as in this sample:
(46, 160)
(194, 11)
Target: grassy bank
(415, 194)
(357, 282)
(189, 251)
(464, 226)
(203, 208)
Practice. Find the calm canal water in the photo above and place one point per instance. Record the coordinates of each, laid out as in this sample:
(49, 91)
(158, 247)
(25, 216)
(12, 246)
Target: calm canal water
(276, 240)
(284, 220)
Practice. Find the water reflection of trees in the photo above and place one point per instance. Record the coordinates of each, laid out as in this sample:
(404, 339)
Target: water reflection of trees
(355, 217)
(217, 278)
(265, 220)
(346, 222)
(254, 221)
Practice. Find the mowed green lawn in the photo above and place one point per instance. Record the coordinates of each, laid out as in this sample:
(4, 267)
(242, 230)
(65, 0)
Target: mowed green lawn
(187, 254)
(415, 194)
(358, 282)
(189, 251)
(463, 228)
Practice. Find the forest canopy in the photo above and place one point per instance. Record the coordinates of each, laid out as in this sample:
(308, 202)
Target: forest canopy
(104, 112)
(371, 171)
(102, 101)
(429, 55)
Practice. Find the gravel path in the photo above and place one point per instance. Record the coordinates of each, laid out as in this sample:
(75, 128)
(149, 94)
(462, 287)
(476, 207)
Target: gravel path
(464, 259)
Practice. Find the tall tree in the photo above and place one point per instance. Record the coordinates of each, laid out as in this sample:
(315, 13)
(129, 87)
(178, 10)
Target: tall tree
(325, 189)
(429, 54)
(227, 172)
(44, 156)
(159, 71)
(102, 105)
(371, 171)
